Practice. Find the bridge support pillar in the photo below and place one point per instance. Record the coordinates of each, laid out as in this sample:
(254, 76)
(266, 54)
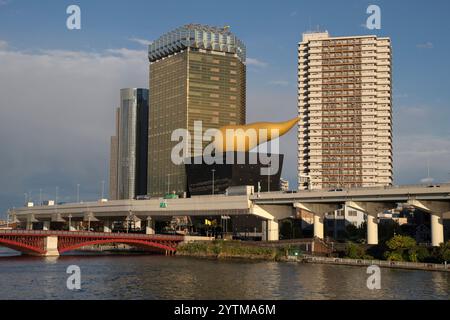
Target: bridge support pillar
(371, 209)
(150, 227)
(436, 209)
(51, 246)
(318, 210)
(270, 230)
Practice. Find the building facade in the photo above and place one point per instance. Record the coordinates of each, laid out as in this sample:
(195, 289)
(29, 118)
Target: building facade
(345, 109)
(197, 73)
(129, 153)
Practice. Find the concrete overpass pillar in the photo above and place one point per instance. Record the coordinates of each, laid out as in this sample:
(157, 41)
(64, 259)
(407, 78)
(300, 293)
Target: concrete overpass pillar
(318, 210)
(436, 209)
(46, 225)
(318, 225)
(30, 220)
(372, 228)
(437, 229)
(371, 209)
(107, 226)
(51, 246)
(270, 230)
(150, 227)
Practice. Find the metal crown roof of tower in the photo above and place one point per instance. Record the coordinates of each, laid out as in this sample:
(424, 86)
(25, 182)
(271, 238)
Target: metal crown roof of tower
(197, 36)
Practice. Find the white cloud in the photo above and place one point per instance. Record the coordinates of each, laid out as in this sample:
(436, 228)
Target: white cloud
(256, 63)
(282, 83)
(426, 180)
(293, 14)
(57, 114)
(3, 45)
(4, 2)
(426, 45)
(414, 153)
(142, 42)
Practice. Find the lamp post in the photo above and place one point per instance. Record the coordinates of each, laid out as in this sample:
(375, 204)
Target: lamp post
(213, 171)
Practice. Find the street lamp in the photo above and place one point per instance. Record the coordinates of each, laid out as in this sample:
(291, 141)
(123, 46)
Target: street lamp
(213, 171)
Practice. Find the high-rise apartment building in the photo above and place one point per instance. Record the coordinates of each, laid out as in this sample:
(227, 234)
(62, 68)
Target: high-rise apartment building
(128, 162)
(197, 73)
(345, 109)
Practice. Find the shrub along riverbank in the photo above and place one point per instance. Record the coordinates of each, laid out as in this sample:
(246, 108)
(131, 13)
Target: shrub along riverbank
(230, 249)
(400, 248)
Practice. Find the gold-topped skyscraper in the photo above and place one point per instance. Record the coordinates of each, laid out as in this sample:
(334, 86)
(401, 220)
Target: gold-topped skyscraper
(197, 73)
(345, 109)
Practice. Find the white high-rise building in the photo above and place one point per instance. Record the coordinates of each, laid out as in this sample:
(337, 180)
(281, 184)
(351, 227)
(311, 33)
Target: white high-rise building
(345, 109)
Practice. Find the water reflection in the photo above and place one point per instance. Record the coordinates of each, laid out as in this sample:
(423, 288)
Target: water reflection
(158, 277)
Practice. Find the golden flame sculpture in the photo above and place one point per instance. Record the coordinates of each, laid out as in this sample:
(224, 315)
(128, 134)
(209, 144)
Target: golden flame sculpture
(242, 138)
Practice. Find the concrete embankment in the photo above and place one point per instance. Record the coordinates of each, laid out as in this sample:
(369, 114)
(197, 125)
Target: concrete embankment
(380, 263)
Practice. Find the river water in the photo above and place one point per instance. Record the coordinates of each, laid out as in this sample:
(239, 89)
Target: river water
(160, 277)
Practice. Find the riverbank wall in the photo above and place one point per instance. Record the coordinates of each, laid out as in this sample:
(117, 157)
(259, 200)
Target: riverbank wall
(369, 262)
(244, 251)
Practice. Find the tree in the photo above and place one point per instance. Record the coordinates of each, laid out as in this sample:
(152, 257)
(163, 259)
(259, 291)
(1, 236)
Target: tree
(355, 251)
(399, 242)
(402, 248)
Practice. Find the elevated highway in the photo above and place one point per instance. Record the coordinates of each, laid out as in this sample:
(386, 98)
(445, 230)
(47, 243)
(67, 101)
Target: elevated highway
(268, 207)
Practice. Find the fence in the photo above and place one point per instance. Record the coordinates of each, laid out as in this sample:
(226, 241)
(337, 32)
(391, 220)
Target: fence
(380, 263)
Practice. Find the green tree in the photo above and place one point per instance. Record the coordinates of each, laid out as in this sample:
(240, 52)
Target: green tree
(402, 248)
(355, 251)
(399, 242)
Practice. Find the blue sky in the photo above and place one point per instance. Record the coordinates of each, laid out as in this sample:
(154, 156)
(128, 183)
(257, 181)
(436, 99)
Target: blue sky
(76, 75)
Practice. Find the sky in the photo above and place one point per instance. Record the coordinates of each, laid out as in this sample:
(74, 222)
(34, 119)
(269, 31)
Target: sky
(59, 87)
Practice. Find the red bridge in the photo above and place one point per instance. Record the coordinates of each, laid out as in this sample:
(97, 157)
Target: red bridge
(54, 243)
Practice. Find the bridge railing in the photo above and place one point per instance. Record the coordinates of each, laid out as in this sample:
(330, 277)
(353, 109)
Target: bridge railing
(86, 233)
(381, 263)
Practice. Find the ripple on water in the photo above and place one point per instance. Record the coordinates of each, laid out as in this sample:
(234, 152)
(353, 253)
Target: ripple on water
(159, 277)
